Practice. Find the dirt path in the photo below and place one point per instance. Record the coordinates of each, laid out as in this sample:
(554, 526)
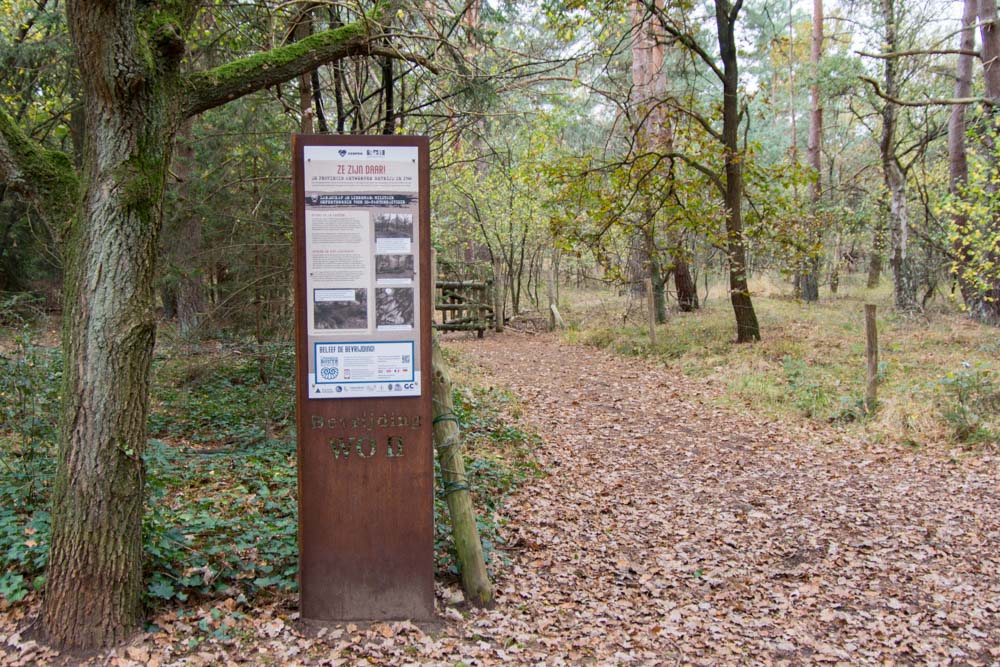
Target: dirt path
(668, 530)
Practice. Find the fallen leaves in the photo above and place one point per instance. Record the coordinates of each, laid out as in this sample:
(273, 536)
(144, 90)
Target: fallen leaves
(667, 531)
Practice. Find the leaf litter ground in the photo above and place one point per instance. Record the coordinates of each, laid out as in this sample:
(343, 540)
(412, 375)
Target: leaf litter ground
(668, 531)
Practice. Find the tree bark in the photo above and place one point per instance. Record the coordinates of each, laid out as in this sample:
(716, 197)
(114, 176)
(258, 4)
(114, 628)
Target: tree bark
(134, 99)
(876, 260)
(904, 285)
(809, 284)
(986, 302)
(302, 30)
(747, 328)
(687, 292)
(958, 165)
(94, 579)
(188, 241)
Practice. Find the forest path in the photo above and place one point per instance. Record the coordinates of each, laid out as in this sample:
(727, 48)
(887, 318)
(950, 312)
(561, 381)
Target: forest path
(669, 530)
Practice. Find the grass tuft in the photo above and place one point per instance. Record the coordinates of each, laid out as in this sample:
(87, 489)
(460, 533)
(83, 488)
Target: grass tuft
(937, 371)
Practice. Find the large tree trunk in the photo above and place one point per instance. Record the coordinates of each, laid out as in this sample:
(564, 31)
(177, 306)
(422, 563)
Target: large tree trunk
(133, 98)
(904, 285)
(94, 582)
(652, 133)
(747, 328)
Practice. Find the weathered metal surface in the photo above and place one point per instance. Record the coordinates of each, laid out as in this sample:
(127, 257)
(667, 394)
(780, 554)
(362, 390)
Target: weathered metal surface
(366, 533)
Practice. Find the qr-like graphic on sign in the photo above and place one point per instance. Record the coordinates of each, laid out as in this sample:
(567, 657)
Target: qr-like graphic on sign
(329, 367)
(405, 359)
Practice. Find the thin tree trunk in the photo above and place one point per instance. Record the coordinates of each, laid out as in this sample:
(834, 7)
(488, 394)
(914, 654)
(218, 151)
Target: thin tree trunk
(318, 103)
(747, 327)
(835, 268)
(904, 286)
(188, 243)
(389, 126)
(876, 260)
(958, 166)
(986, 271)
(302, 30)
(810, 278)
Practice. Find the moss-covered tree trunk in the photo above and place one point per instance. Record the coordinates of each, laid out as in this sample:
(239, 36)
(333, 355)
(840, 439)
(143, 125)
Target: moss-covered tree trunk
(134, 99)
(94, 580)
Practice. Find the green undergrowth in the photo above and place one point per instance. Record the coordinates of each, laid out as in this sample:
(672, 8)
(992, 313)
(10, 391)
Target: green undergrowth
(221, 511)
(498, 458)
(937, 372)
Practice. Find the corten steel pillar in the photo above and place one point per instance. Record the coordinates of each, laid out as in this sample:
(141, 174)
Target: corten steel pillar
(363, 297)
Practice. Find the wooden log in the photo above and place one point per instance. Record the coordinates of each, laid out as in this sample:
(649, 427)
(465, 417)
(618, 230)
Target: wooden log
(454, 284)
(468, 305)
(466, 326)
(871, 351)
(464, 532)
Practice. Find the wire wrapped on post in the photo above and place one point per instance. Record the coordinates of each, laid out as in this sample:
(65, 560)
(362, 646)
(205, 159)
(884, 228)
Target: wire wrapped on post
(455, 486)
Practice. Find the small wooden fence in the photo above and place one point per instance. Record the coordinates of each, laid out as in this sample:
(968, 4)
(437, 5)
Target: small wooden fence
(465, 305)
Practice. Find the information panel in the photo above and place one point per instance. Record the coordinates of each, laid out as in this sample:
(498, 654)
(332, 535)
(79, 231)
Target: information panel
(361, 213)
(363, 314)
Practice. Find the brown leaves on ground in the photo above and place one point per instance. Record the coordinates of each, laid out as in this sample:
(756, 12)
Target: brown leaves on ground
(670, 532)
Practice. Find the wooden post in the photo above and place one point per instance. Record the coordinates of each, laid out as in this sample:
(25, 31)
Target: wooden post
(448, 443)
(871, 350)
(651, 302)
(499, 296)
(555, 319)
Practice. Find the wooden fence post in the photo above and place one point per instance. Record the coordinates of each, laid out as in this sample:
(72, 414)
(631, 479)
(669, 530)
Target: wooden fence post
(651, 302)
(871, 351)
(448, 443)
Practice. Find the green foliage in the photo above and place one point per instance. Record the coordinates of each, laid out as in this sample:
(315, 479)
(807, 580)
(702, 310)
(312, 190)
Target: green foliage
(221, 513)
(974, 231)
(30, 383)
(971, 404)
(29, 399)
(220, 522)
(806, 391)
(498, 459)
(19, 308)
(238, 397)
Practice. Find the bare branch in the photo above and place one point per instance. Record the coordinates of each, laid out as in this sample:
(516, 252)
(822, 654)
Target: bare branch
(686, 40)
(921, 52)
(930, 101)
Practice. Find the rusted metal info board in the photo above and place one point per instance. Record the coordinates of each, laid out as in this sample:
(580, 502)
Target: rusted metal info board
(363, 294)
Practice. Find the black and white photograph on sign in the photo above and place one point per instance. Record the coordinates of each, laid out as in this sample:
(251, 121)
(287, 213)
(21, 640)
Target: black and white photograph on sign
(394, 307)
(340, 308)
(394, 226)
(394, 267)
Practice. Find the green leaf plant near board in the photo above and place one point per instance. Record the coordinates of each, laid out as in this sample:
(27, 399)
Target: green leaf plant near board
(221, 509)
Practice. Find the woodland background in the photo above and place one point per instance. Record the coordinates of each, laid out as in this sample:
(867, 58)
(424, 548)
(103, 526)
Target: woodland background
(759, 169)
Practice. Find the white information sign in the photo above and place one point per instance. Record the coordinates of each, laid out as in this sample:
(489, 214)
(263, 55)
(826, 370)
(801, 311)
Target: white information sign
(362, 248)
